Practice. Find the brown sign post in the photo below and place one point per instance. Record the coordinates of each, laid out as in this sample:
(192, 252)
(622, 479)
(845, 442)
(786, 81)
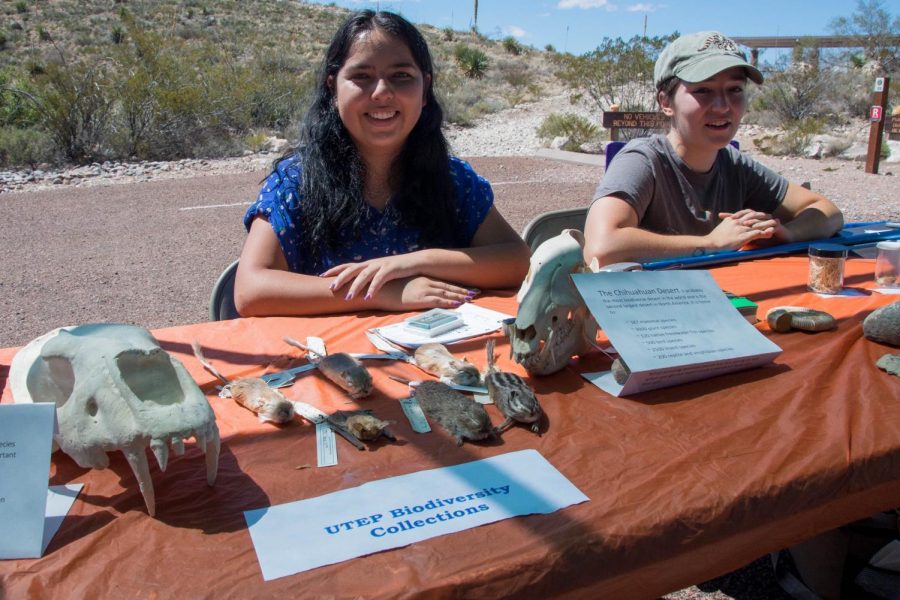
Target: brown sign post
(633, 120)
(876, 116)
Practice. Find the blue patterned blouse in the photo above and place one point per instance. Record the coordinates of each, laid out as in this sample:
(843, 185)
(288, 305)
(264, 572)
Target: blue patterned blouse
(383, 235)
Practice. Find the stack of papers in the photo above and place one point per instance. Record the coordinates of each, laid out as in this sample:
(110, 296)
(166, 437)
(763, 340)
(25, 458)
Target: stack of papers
(476, 321)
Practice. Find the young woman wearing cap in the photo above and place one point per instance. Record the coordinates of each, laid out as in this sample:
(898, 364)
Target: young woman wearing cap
(690, 192)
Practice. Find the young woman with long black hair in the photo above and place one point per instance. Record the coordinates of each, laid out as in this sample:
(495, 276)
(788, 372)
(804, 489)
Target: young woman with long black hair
(371, 211)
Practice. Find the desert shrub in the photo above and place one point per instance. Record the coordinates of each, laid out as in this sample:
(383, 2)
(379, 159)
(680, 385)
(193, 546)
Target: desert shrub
(17, 108)
(550, 48)
(25, 147)
(575, 128)
(516, 74)
(794, 139)
(793, 93)
(117, 35)
(21, 6)
(2, 40)
(462, 100)
(43, 34)
(255, 140)
(75, 104)
(616, 72)
(473, 62)
(512, 46)
(447, 34)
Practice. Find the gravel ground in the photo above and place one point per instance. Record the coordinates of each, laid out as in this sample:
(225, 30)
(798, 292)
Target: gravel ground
(144, 243)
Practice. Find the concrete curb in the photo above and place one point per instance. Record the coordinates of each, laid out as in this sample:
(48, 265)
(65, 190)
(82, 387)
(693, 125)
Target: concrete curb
(577, 157)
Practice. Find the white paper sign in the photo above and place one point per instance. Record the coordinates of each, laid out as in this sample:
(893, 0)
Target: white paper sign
(670, 327)
(26, 431)
(478, 321)
(391, 513)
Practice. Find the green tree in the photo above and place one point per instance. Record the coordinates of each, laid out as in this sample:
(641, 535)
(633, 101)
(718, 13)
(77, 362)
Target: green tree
(878, 32)
(617, 72)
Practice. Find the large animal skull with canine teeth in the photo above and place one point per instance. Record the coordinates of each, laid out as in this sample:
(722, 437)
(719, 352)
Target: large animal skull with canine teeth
(116, 389)
(552, 324)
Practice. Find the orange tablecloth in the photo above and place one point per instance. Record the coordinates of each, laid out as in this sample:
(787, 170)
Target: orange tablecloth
(685, 483)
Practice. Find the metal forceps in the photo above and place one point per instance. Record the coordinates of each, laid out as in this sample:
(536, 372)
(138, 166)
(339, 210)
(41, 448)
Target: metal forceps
(280, 379)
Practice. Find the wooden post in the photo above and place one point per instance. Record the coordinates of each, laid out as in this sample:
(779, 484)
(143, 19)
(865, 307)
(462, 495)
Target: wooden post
(876, 116)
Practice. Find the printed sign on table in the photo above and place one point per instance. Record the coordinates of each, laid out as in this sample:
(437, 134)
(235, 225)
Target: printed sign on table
(669, 327)
(395, 512)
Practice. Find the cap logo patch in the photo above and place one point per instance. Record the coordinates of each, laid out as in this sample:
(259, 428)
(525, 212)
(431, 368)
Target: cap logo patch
(719, 42)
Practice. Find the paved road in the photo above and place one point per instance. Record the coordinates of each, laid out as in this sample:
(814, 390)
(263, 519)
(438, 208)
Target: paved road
(148, 253)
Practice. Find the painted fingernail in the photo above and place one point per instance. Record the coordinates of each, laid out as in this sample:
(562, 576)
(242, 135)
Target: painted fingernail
(368, 297)
(349, 296)
(455, 302)
(333, 284)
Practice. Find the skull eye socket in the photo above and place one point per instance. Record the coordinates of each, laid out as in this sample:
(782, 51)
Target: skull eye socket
(528, 334)
(91, 407)
(150, 376)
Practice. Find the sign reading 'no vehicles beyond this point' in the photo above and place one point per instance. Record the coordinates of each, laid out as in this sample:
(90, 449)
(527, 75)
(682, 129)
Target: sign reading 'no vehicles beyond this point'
(630, 120)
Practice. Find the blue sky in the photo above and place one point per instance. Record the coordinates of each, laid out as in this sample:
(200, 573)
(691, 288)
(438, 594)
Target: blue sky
(578, 26)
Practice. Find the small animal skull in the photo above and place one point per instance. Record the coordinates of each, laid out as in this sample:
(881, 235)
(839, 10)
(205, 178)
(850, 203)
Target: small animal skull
(552, 324)
(116, 389)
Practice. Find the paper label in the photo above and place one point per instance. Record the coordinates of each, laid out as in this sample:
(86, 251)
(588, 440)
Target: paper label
(478, 321)
(326, 448)
(26, 431)
(670, 327)
(317, 345)
(309, 412)
(395, 512)
(482, 399)
(414, 414)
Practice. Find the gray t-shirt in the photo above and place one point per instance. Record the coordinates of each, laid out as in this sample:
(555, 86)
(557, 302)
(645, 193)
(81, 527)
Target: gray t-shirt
(670, 198)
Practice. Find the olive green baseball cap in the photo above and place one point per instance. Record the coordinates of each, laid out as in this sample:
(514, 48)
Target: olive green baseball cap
(698, 56)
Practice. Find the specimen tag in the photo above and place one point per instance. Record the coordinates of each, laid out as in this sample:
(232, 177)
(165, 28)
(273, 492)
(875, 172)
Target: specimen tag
(309, 412)
(414, 413)
(326, 449)
(482, 399)
(317, 345)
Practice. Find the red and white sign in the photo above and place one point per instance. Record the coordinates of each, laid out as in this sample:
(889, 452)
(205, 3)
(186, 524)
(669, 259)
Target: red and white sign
(875, 114)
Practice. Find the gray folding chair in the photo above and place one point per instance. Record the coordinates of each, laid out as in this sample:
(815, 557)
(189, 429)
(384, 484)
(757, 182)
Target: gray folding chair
(551, 223)
(221, 301)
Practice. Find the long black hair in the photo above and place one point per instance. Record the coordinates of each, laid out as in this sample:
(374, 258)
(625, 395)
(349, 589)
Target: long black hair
(333, 171)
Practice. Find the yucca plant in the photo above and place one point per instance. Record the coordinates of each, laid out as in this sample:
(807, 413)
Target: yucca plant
(473, 62)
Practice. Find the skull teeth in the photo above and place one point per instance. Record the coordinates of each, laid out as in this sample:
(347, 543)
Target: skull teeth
(161, 451)
(211, 449)
(137, 458)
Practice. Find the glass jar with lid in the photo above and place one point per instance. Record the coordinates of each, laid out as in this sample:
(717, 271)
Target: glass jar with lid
(887, 264)
(826, 268)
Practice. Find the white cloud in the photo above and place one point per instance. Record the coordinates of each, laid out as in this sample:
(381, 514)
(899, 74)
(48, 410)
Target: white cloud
(584, 4)
(641, 8)
(516, 32)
